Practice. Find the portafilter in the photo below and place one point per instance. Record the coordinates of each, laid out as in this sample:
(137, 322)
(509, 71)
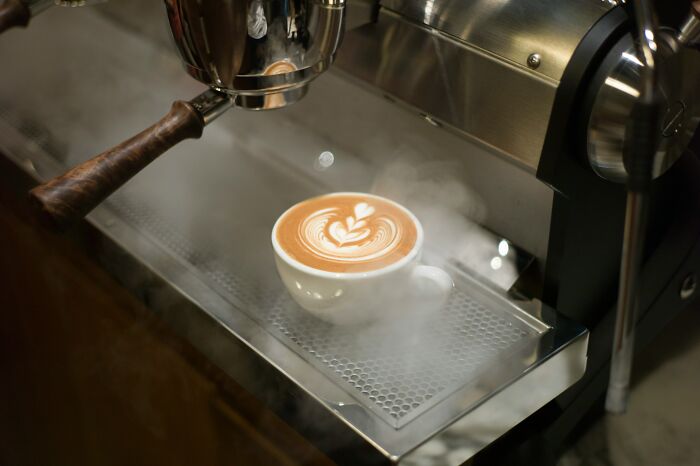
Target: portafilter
(253, 54)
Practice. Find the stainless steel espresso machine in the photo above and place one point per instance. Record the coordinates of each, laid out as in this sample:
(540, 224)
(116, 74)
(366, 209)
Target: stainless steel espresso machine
(505, 126)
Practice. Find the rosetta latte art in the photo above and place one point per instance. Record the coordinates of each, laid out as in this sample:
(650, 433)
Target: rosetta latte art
(361, 236)
(347, 232)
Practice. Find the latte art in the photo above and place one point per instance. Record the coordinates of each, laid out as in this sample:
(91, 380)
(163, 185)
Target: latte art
(347, 232)
(359, 237)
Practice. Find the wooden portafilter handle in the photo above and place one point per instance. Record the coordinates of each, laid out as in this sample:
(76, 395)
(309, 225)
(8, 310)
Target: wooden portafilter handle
(13, 13)
(69, 197)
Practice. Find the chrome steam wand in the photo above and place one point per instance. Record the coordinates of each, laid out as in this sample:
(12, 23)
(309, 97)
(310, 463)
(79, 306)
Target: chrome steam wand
(643, 136)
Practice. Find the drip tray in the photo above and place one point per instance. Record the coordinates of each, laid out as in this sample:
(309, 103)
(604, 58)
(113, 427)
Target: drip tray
(415, 376)
(484, 362)
(397, 370)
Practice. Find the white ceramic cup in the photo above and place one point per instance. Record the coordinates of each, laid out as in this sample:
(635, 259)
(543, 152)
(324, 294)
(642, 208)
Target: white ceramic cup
(361, 297)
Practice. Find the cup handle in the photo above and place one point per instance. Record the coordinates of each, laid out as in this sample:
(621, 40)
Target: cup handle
(431, 283)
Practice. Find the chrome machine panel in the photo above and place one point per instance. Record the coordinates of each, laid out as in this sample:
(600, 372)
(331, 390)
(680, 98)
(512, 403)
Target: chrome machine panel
(488, 69)
(511, 31)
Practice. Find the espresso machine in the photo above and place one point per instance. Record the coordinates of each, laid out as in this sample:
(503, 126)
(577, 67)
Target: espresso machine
(519, 120)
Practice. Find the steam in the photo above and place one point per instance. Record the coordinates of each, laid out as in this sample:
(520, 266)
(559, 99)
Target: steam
(451, 213)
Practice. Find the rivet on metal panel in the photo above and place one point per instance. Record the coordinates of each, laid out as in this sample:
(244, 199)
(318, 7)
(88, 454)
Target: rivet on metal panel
(534, 60)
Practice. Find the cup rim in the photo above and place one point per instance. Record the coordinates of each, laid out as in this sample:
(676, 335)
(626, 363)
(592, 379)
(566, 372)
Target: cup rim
(408, 258)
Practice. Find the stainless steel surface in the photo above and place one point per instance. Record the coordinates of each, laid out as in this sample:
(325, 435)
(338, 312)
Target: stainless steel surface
(184, 235)
(360, 12)
(617, 88)
(230, 46)
(510, 30)
(504, 106)
(625, 319)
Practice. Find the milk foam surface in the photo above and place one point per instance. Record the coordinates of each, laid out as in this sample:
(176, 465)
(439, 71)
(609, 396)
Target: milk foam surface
(346, 233)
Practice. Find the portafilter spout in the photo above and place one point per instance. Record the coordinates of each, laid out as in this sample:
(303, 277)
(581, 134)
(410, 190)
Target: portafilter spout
(254, 54)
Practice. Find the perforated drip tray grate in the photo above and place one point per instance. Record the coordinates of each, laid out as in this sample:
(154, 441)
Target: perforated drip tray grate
(399, 369)
(400, 376)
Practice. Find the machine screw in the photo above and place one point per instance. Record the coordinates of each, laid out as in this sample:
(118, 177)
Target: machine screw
(688, 287)
(534, 60)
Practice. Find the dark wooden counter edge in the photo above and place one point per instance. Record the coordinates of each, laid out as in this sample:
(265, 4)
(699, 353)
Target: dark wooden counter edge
(292, 424)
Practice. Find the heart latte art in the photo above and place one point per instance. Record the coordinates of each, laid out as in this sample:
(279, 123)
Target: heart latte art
(346, 232)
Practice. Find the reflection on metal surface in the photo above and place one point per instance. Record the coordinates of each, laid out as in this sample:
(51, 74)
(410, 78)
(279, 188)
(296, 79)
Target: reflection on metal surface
(510, 29)
(232, 45)
(503, 247)
(620, 86)
(485, 98)
(614, 91)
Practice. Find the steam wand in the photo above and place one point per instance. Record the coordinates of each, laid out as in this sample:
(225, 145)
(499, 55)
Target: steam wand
(643, 139)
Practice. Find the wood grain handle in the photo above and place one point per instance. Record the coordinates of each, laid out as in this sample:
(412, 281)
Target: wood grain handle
(69, 197)
(13, 13)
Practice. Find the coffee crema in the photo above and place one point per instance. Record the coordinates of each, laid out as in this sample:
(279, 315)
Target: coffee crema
(346, 233)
